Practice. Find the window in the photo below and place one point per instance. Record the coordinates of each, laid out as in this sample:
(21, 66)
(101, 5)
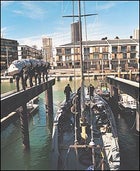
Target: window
(96, 49)
(124, 55)
(133, 55)
(95, 56)
(86, 51)
(105, 49)
(68, 58)
(123, 48)
(105, 56)
(60, 58)
(59, 51)
(133, 48)
(114, 49)
(86, 56)
(68, 51)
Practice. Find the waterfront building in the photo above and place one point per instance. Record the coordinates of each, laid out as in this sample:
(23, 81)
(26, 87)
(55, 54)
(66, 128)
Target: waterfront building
(47, 49)
(136, 34)
(100, 55)
(9, 52)
(75, 32)
(26, 52)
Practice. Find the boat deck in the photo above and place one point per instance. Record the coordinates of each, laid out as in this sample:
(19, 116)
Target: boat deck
(98, 149)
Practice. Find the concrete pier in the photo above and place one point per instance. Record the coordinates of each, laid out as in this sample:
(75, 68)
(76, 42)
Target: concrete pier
(20, 99)
(127, 86)
(49, 100)
(24, 127)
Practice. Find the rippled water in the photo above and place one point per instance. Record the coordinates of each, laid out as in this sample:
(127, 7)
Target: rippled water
(14, 158)
(129, 145)
(12, 154)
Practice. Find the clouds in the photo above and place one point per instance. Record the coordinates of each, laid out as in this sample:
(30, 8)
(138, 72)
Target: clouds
(30, 41)
(57, 39)
(18, 12)
(30, 9)
(3, 31)
(6, 3)
(28, 21)
(106, 5)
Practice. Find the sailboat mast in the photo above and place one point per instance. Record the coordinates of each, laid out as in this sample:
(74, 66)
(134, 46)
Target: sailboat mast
(81, 61)
(80, 39)
(81, 55)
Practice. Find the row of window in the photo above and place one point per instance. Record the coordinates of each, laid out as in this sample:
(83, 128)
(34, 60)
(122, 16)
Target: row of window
(115, 49)
(96, 56)
(9, 49)
(9, 43)
(124, 66)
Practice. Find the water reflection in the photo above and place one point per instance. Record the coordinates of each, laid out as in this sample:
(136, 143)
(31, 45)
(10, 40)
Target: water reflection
(40, 128)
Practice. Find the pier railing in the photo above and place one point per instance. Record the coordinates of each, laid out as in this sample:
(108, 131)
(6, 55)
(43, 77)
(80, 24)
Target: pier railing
(12, 102)
(20, 99)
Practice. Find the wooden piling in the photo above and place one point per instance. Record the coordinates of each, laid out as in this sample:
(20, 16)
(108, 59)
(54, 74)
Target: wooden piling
(119, 74)
(116, 96)
(137, 116)
(24, 127)
(111, 90)
(11, 80)
(49, 100)
(58, 78)
(130, 75)
(70, 78)
(18, 100)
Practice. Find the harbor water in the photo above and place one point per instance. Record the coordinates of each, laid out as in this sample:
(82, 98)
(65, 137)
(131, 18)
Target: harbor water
(13, 157)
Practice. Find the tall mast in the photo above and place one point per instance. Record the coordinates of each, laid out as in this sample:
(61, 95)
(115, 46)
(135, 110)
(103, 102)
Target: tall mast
(80, 38)
(81, 61)
(81, 54)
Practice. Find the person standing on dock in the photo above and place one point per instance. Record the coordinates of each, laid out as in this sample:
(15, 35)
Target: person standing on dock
(91, 90)
(67, 91)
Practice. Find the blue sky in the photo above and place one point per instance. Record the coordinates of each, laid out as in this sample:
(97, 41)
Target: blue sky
(29, 21)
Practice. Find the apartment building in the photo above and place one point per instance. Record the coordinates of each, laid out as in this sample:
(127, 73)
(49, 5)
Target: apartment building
(26, 52)
(136, 34)
(47, 49)
(9, 52)
(100, 55)
(75, 32)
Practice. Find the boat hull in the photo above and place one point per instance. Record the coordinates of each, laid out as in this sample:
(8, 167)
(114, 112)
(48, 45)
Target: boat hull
(92, 144)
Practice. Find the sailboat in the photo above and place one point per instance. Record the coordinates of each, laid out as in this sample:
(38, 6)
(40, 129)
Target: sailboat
(84, 135)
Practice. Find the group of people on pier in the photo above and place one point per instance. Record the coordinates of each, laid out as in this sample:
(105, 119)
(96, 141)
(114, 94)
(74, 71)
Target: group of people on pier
(68, 91)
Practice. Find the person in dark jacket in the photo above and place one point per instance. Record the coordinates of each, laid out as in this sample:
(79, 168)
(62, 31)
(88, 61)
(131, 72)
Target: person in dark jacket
(67, 91)
(91, 90)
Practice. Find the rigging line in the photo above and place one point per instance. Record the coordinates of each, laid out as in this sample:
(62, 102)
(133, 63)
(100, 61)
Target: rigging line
(86, 40)
(16, 139)
(78, 15)
(75, 127)
(81, 61)
(66, 6)
(65, 166)
(77, 157)
(134, 123)
(74, 51)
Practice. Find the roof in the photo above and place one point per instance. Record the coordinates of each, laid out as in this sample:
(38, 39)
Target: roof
(104, 42)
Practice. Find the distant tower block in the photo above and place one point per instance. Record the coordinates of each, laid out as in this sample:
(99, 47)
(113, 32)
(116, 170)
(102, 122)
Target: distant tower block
(136, 34)
(75, 32)
(47, 48)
